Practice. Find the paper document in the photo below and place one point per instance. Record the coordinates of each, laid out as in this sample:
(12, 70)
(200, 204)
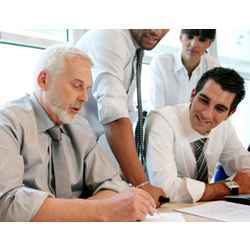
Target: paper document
(220, 210)
(161, 217)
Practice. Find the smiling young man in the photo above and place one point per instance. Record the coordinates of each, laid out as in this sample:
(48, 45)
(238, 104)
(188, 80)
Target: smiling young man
(184, 142)
(173, 76)
(111, 109)
(50, 160)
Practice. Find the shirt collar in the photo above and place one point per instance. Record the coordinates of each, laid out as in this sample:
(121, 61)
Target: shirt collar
(178, 62)
(43, 121)
(179, 65)
(189, 132)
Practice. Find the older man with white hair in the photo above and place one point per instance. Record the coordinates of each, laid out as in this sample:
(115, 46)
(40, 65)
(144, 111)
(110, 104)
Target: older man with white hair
(51, 167)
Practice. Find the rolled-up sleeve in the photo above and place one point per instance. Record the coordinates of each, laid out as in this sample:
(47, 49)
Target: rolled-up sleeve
(17, 202)
(161, 163)
(234, 156)
(112, 99)
(110, 54)
(100, 174)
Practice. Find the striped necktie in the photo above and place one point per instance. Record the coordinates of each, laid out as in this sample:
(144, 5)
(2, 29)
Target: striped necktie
(139, 126)
(201, 162)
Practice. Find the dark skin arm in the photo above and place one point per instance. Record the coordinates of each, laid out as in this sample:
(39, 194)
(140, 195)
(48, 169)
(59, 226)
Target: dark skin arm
(217, 191)
(121, 140)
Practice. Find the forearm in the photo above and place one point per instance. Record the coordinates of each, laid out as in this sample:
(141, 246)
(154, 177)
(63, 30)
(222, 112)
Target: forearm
(54, 209)
(214, 191)
(120, 133)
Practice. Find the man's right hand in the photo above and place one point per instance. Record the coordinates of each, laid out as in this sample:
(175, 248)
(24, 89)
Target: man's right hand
(132, 205)
(243, 180)
(155, 192)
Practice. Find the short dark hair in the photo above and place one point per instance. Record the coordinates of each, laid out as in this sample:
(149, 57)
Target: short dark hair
(202, 33)
(228, 79)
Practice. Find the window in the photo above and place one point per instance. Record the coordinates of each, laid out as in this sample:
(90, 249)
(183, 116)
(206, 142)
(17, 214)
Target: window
(19, 50)
(34, 38)
(16, 65)
(241, 119)
(233, 48)
(51, 34)
(170, 43)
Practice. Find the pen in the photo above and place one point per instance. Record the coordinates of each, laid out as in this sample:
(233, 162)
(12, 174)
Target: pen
(163, 200)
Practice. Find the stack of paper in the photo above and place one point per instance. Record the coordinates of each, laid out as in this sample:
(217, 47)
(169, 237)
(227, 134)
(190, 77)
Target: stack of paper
(220, 210)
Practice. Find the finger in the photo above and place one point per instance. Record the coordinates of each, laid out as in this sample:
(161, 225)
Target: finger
(146, 196)
(145, 205)
(141, 214)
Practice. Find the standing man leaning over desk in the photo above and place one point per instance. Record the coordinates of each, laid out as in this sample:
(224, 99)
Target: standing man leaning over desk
(49, 158)
(113, 53)
(184, 142)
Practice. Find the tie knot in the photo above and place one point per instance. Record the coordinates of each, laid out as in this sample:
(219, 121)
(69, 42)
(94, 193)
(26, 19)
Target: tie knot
(55, 133)
(203, 140)
(200, 143)
(139, 54)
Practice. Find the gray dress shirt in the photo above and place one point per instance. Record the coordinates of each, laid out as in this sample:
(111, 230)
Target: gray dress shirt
(25, 160)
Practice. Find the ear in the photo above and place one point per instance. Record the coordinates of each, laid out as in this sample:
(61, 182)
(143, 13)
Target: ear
(180, 37)
(193, 94)
(209, 43)
(42, 80)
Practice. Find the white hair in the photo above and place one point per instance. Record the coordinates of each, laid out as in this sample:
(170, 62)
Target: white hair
(52, 59)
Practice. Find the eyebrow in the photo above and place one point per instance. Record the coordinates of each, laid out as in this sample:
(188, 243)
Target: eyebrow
(221, 106)
(204, 96)
(79, 80)
(225, 108)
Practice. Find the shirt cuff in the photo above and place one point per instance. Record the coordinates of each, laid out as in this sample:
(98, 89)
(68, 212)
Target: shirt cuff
(117, 186)
(112, 109)
(22, 204)
(195, 188)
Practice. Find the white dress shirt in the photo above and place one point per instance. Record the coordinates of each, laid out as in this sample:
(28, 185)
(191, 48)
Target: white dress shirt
(170, 160)
(113, 55)
(170, 83)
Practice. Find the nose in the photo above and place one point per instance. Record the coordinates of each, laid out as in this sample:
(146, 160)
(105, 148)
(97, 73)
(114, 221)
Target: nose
(195, 42)
(84, 96)
(207, 113)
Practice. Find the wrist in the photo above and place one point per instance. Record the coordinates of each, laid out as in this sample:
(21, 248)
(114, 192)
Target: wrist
(232, 186)
(141, 185)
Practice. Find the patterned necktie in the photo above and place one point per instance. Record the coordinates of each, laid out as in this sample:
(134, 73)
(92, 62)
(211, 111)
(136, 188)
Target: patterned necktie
(141, 114)
(201, 162)
(59, 163)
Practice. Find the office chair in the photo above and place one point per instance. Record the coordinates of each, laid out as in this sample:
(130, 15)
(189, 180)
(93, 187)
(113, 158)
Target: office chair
(220, 174)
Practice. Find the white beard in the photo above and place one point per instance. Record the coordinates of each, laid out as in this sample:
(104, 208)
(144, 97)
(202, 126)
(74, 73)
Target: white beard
(62, 114)
(58, 109)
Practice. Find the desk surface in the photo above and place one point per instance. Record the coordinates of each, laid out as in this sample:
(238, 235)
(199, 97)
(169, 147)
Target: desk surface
(170, 207)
